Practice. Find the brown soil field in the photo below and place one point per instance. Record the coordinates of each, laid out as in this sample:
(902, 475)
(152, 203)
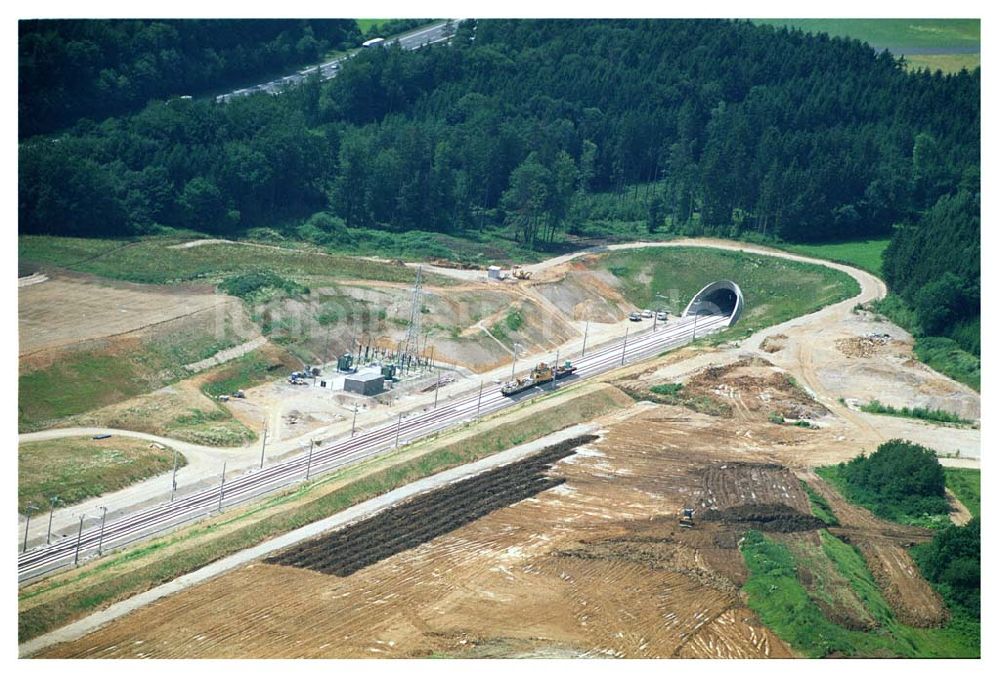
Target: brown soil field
(748, 388)
(913, 600)
(755, 388)
(595, 565)
(70, 308)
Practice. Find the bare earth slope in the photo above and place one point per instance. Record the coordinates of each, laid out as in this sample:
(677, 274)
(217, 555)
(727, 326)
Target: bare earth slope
(71, 308)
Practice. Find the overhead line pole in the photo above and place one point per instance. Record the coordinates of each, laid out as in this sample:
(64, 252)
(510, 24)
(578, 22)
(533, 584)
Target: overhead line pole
(312, 442)
(100, 539)
(48, 535)
(513, 364)
(222, 485)
(624, 343)
(79, 538)
(173, 479)
(27, 522)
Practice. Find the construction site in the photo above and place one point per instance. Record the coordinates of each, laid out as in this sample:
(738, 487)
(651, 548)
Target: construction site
(618, 537)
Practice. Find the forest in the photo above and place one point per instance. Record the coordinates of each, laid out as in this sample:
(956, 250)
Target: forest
(74, 69)
(520, 126)
(745, 129)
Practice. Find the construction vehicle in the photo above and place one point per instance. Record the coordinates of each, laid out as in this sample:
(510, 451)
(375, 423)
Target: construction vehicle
(687, 518)
(541, 374)
(517, 272)
(565, 370)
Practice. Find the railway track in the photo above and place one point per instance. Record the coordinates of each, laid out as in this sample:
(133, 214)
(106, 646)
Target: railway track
(46, 559)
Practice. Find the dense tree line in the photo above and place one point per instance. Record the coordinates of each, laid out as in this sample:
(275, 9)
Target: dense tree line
(952, 561)
(934, 267)
(744, 129)
(71, 69)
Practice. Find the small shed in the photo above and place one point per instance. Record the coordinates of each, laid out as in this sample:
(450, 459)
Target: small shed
(368, 384)
(493, 273)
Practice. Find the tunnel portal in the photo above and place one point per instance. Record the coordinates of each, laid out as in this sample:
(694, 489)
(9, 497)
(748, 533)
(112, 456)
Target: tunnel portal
(718, 298)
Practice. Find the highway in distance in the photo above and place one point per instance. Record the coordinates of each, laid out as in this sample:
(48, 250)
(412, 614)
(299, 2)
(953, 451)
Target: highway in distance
(428, 35)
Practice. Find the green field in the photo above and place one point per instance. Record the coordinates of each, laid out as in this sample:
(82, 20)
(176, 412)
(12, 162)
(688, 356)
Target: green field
(946, 63)
(896, 35)
(819, 506)
(151, 261)
(366, 24)
(774, 289)
(78, 468)
(965, 484)
(866, 255)
(926, 43)
(839, 576)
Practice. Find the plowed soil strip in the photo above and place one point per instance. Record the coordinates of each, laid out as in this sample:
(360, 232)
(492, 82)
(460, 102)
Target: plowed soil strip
(427, 516)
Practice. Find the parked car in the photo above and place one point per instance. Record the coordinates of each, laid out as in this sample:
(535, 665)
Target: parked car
(661, 316)
(634, 317)
(647, 313)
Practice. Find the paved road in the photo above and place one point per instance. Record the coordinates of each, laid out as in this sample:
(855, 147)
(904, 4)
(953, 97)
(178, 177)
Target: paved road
(45, 559)
(438, 32)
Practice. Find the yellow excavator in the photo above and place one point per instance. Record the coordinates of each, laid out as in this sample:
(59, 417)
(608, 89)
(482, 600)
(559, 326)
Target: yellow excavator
(517, 272)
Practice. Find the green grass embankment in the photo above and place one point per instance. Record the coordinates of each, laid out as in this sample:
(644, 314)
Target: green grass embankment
(77, 468)
(775, 289)
(777, 594)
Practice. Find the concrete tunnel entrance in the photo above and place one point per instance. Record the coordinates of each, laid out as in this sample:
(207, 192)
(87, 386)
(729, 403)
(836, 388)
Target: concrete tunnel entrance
(718, 298)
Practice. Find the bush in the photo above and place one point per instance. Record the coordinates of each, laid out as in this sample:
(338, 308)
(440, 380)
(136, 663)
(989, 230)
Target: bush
(899, 480)
(326, 229)
(667, 388)
(514, 319)
(253, 285)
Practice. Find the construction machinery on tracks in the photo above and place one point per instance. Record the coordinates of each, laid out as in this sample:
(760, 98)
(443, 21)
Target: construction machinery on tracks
(541, 374)
(517, 272)
(687, 518)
